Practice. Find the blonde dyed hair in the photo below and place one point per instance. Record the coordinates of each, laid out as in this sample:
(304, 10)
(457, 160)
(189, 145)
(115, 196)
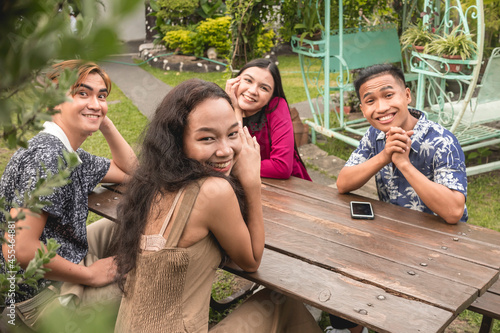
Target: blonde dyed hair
(84, 68)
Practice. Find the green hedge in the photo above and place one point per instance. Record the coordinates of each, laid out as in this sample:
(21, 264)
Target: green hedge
(215, 33)
(209, 33)
(182, 40)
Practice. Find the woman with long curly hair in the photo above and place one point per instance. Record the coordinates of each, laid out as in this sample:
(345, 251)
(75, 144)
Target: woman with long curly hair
(195, 196)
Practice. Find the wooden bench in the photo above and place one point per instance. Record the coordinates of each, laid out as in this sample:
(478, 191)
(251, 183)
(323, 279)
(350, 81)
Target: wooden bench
(489, 306)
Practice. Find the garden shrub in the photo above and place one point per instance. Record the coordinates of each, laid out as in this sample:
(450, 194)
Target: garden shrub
(215, 33)
(265, 42)
(167, 28)
(176, 9)
(184, 40)
(247, 25)
(212, 33)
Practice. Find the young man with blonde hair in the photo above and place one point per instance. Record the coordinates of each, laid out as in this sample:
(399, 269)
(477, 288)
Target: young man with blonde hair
(83, 262)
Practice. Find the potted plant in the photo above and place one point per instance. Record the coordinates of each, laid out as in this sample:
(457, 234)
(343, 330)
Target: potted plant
(310, 28)
(455, 45)
(351, 102)
(416, 36)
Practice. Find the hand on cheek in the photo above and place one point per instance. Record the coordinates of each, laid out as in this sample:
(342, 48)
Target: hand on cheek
(247, 167)
(232, 88)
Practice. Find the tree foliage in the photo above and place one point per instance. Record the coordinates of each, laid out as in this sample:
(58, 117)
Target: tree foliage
(248, 23)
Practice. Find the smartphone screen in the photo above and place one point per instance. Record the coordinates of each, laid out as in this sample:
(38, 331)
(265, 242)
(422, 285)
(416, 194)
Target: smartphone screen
(361, 210)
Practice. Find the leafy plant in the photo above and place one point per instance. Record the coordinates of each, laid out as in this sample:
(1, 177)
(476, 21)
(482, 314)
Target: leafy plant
(455, 43)
(265, 42)
(416, 35)
(351, 11)
(34, 201)
(350, 100)
(310, 25)
(211, 8)
(33, 272)
(215, 33)
(182, 40)
(478, 155)
(176, 11)
(35, 34)
(172, 15)
(181, 14)
(289, 17)
(164, 29)
(208, 33)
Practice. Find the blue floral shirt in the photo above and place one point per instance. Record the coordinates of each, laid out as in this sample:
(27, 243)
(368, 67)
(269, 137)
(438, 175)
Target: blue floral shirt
(435, 152)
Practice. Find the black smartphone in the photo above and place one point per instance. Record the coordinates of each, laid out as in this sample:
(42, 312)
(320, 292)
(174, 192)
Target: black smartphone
(362, 210)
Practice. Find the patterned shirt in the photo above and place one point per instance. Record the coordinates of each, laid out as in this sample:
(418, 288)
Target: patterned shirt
(66, 222)
(435, 152)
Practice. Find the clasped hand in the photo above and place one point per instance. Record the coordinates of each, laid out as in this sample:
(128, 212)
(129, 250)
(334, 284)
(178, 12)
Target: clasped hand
(397, 146)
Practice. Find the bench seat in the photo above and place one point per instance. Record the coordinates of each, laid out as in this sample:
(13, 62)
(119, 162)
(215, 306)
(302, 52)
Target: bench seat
(489, 306)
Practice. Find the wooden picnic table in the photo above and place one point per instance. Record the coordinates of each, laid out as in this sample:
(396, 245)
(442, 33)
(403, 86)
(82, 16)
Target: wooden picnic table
(404, 271)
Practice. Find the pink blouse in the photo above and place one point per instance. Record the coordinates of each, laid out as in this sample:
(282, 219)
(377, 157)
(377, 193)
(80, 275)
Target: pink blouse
(274, 132)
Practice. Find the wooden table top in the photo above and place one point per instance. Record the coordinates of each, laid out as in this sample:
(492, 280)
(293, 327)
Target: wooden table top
(404, 271)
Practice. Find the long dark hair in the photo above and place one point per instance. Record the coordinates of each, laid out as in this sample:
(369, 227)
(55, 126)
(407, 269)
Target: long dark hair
(275, 73)
(164, 167)
(277, 92)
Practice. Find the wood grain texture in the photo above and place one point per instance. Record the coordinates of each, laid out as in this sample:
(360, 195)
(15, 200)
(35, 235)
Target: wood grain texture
(365, 304)
(395, 225)
(328, 194)
(395, 278)
(104, 202)
(426, 270)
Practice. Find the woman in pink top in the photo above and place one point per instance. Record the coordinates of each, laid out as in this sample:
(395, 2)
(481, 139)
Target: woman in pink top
(259, 100)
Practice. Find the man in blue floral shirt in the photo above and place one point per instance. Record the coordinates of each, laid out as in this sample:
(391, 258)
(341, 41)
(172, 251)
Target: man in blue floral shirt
(417, 163)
